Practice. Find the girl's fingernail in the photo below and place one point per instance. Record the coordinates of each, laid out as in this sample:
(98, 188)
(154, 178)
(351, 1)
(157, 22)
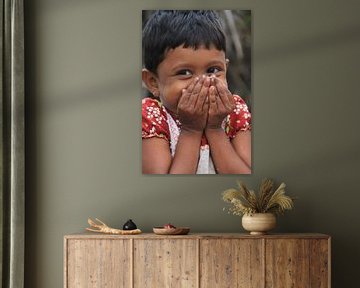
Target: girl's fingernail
(196, 79)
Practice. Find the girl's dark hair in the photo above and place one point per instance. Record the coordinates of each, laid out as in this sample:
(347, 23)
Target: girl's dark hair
(168, 29)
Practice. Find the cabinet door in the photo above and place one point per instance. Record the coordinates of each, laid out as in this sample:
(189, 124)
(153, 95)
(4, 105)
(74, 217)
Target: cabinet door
(231, 263)
(165, 263)
(287, 263)
(320, 263)
(98, 263)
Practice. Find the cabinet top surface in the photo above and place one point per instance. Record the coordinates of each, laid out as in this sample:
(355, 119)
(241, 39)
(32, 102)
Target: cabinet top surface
(87, 235)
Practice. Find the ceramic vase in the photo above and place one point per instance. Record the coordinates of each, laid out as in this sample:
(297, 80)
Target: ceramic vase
(259, 223)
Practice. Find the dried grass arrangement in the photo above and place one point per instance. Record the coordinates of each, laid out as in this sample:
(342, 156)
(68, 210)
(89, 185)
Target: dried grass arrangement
(246, 202)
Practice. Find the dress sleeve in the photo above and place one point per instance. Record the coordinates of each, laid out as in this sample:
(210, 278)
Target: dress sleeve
(239, 119)
(154, 120)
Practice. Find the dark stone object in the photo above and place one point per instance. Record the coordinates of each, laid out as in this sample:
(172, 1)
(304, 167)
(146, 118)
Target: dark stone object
(129, 225)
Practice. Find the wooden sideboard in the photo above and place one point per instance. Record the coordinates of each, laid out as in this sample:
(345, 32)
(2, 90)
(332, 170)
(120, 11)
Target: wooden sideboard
(197, 260)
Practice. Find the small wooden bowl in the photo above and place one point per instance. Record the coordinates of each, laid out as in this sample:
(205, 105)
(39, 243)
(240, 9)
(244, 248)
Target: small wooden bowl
(171, 231)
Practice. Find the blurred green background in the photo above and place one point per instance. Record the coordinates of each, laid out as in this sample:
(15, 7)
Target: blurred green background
(83, 90)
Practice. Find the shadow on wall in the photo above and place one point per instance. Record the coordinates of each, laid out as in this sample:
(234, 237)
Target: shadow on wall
(313, 213)
(104, 91)
(342, 37)
(100, 93)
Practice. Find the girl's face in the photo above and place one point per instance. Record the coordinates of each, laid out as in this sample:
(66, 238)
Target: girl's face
(181, 66)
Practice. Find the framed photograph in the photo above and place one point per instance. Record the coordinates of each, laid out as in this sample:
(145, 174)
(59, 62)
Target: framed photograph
(196, 105)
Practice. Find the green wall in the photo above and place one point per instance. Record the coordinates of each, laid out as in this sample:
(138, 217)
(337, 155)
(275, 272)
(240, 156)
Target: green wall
(83, 139)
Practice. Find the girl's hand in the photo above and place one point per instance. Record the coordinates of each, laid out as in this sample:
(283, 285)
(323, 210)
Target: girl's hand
(221, 103)
(193, 105)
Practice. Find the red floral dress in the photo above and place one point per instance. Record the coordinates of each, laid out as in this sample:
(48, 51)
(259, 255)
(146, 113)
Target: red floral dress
(158, 122)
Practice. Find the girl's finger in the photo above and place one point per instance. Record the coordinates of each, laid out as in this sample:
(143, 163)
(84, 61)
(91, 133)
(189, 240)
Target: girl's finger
(203, 94)
(195, 92)
(184, 99)
(212, 100)
(190, 88)
(186, 93)
(205, 107)
(225, 95)
(220, 105)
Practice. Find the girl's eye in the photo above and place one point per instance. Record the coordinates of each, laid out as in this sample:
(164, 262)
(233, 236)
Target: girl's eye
(184, 72)
(213, 70)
